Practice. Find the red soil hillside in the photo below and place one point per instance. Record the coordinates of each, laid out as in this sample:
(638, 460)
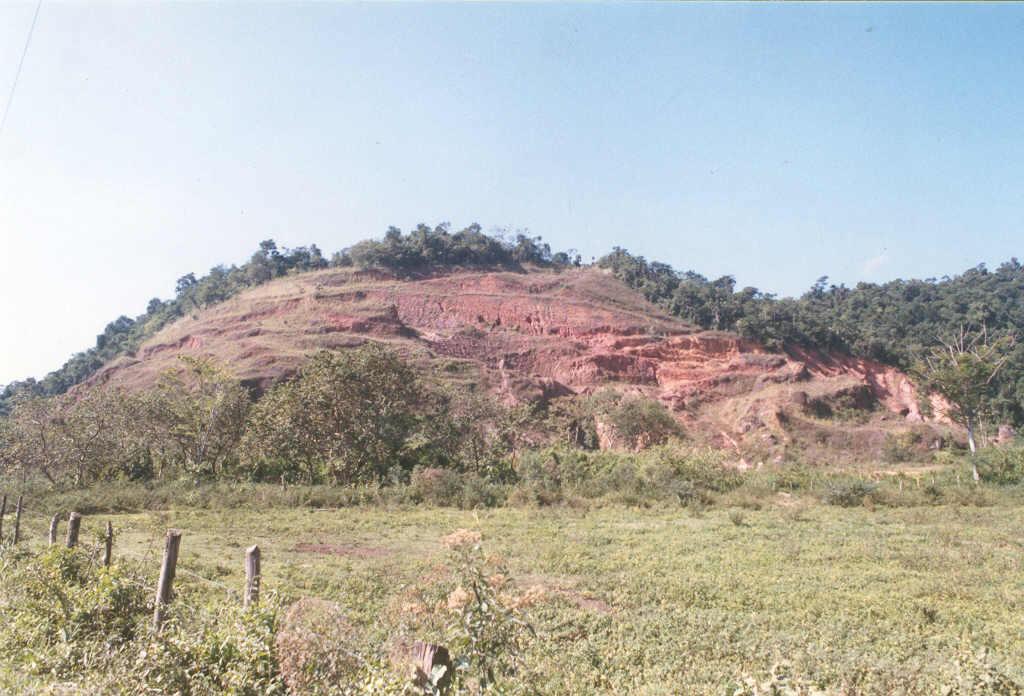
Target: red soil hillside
(545, 334)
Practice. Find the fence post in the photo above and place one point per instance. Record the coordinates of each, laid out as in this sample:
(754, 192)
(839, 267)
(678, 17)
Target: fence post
(74, 524)
(163, 588)
(426, 657)
(252, 576)
(54, 521)
(17, 520)
(108, 547)
(3, 511)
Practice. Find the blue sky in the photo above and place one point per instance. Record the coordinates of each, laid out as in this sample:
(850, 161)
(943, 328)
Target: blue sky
(776, 143)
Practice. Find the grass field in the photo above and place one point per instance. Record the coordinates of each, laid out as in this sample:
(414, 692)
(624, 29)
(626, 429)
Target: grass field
(659, 601)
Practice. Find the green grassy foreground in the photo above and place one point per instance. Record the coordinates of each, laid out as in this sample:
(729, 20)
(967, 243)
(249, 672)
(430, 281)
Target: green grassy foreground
(670, 600)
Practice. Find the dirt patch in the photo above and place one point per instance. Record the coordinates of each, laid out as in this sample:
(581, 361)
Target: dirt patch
(350, 550)
(587, 603)
(787, 500)
(566, 587)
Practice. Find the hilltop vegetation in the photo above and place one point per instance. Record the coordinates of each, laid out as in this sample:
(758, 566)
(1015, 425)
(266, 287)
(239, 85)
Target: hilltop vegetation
(892, 322)
(421, 250)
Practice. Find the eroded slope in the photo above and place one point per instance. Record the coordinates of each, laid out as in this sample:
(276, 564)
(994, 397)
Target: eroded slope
(543, 334)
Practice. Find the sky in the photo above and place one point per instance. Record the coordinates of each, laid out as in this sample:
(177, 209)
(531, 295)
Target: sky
(773, 142)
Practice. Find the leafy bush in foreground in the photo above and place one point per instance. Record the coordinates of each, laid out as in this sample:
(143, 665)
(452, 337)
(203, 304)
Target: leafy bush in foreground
(64, 617)
(60, 609)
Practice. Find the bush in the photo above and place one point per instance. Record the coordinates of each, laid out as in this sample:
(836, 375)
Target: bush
(448, 488)
(848, 493)
(1001, 465)
(61, 608)
(226, 650)
(63, 616)
(316, 647)
(643, 422)
(436, 486)
(901, 447)
(480, 493)
(477, 611)
(674, 472)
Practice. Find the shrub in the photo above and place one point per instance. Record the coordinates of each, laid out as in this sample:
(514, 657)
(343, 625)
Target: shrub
(480, 493)
(64, 616)
(900, 447)
(448, 488)
(673, 472)
(60, 608)
(849, 493)
(315, 643)
(643, 422)
(1002, 465)
(226, 649)
(436, 486)
(486, 631)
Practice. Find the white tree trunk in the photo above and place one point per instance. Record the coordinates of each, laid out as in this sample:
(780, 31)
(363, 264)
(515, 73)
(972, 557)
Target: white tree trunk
(974, 449)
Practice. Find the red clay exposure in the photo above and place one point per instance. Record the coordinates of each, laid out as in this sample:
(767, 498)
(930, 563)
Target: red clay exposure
(542, 334)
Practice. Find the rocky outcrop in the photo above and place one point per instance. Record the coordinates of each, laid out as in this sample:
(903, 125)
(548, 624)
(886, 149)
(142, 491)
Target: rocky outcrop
(529, 336)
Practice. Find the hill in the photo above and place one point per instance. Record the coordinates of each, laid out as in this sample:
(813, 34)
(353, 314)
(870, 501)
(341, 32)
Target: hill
(539, 334)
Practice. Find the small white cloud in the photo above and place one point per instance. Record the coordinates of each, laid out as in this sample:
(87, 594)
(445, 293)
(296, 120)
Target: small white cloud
(875, 262)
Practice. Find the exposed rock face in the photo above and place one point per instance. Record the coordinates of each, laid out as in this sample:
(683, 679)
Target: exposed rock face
(526, 336)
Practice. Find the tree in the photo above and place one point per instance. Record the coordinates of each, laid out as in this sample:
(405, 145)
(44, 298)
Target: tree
(471, 431)
(199, 416)
(963, 371)
(349, 416)
(75, 439)
(30, 438)
(185, 283)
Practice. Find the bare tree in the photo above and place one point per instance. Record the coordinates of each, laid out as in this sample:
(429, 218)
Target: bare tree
(963, 371)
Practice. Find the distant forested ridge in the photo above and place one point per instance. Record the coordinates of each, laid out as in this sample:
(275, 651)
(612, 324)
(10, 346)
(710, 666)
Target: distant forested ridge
(890, 322)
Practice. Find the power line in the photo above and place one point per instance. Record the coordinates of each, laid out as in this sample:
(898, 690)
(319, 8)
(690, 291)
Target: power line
(21, 62)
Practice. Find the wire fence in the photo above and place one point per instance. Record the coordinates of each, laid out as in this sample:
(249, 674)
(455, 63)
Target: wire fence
(163, 589)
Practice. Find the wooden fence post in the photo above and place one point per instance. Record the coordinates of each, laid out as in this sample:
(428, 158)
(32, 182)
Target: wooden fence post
(108, 547)
(163, 588)
(74, 524)
(252, 576)
(54, 522)
(3, 511)
(17, 520)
